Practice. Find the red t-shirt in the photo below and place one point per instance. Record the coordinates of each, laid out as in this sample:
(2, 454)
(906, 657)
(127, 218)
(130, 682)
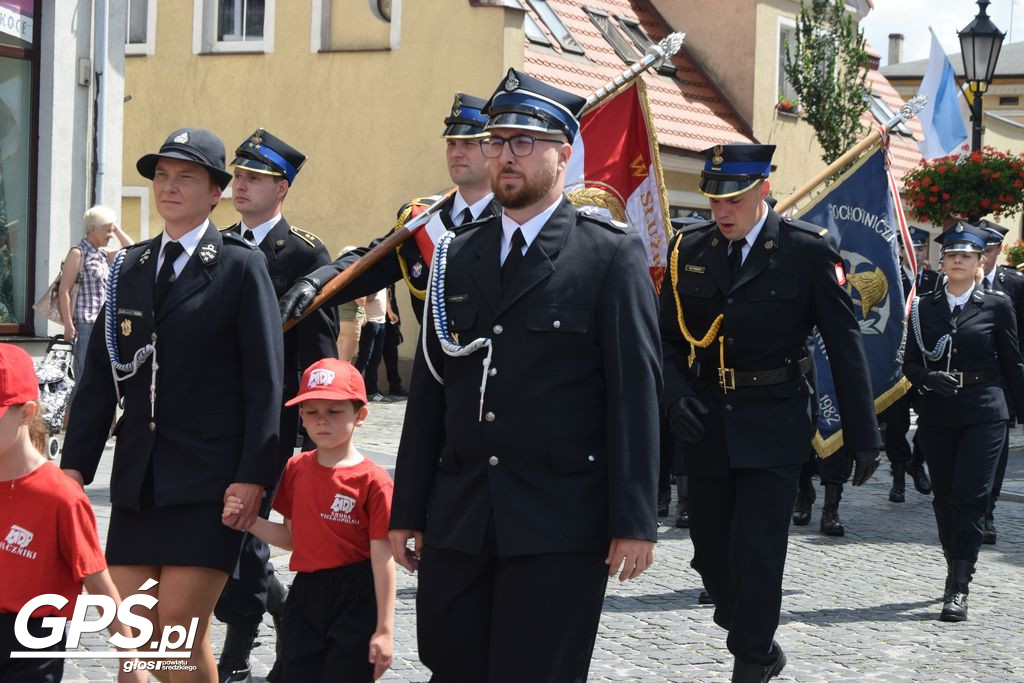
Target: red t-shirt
(48, 540)
(335, 511)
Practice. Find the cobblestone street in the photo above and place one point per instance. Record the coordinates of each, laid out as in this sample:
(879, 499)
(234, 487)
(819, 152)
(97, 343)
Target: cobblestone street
(861, 607)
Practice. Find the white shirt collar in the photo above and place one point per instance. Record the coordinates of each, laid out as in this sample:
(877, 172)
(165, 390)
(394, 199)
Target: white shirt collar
(261, 231)
(459, 205)
(189, 241)
(751, 238)
(960, 301)
(530, 228)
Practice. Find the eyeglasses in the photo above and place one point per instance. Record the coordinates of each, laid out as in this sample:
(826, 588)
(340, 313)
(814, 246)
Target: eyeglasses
(521, 145)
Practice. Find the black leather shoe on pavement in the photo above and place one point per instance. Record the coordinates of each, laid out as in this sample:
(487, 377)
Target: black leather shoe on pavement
(233, 666)
(920, 478)
(830, 523)
(897, 494)
(752, 672)
(704, 598)
(802, 507)
(988, 534)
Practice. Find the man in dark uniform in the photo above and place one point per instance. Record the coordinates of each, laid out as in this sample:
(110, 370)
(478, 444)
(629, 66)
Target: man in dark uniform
(742, 295)
(1010, 281)
(527, 481)
(896, 418)
(472, 201)
(264, 171)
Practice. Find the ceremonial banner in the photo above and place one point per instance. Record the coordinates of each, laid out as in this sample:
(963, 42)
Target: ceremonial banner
(615, 166)
(858, 211)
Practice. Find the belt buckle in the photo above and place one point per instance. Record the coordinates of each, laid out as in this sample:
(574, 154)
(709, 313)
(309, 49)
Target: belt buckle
(959, 379)
(727, 379)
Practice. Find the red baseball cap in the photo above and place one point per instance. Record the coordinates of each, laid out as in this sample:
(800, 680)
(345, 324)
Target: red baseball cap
(331, 379)
(18, 381)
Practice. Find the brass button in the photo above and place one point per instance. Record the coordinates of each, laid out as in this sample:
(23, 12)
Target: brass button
(152, 426)
(728, 407)
(489, 416)
(556, 324)
(498, 329)
(493, 460)
(492, 372)
(728, 302)
(591, 458)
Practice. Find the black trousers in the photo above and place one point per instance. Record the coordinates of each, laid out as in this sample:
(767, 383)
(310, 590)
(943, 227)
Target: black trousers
(962, 463)
(739, 526)
(488, 619)
(897, 424)
(244, 598)
(27, 670)
(1004, 456)
(329, 618)
(389, 355)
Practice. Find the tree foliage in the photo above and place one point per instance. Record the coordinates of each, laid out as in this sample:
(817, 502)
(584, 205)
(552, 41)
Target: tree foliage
(827, 68)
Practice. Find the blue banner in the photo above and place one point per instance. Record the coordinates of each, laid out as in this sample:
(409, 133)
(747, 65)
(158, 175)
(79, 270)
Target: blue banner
(858, 213)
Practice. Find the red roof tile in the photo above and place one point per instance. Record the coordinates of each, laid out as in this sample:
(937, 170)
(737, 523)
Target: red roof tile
(690, 113)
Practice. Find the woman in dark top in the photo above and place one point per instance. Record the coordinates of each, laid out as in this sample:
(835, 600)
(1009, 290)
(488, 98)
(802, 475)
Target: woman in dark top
(962, 356)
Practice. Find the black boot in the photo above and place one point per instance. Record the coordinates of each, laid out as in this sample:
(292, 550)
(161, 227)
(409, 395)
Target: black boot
(805, 497)
(947, 591)
(751, 672)
(276, 596)
(955, 608)
(234, 658)
(830, 524)
(988, 532)
(705, 598)
(899, 482)
(919, 476)
(682, 502)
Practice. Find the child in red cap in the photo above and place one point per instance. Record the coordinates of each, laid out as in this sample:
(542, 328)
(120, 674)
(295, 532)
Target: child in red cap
(48, 538)
(336, 505)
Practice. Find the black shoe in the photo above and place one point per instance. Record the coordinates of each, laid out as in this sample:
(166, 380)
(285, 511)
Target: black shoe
(919, 476)
(751, 672)
(897, 494)
(830, 522)
(988, 535)
(664, 499)
(233, 672)
(234, 658)
(704, 598)
(378, 398)
(397, 391)
(954, 609)
(682, 502)
(683, 519)
(802, 507)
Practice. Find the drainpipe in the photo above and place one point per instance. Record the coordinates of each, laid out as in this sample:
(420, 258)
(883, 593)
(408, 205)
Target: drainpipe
(101, 55)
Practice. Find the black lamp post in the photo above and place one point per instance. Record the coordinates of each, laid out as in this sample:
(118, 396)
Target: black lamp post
(980, 43)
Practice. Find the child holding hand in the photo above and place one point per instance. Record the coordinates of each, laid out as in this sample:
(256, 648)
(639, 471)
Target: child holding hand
(336, 506)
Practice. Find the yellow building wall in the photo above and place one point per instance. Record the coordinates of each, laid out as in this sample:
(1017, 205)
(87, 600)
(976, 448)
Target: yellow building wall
(370, 120)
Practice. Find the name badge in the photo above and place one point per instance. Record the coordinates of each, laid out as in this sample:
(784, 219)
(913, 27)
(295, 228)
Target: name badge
(694, 269)
(129, 311)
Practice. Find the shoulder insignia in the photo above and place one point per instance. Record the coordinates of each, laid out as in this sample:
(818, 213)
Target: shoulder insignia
(694, 227)
(230, 228)
(136, 245)
(234, 239)
(602, 218)
(207, 252)
(466, 227)
(996, 292)
(815, 230)
(306, 236)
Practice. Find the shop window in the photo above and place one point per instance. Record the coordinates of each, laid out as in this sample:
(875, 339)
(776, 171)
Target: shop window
(16, 233)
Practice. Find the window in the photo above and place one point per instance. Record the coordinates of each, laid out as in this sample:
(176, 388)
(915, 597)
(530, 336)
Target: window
(555, 25)
(140, 36)
(643, 41)
(883, 113)
(623, 48)
(534, 33)
(355, 25)
(233, 26)
(1009, 101)
(787, 43)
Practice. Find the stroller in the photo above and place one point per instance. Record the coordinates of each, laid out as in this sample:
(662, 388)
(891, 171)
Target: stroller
(55, 384)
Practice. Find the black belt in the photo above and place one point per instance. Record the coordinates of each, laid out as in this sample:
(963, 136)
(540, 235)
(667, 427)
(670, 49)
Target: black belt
(966, 379)
(730, 378)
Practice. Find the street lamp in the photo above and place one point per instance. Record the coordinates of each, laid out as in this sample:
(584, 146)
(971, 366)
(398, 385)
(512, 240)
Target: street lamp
(980, 43)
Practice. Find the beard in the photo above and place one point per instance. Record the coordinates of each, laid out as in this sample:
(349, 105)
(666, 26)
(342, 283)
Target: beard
(532, 190)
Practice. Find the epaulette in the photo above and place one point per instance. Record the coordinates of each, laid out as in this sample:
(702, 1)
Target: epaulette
(601, 217)
(992, 291)
(136, 245)
(816, 230)
(417, 201)
(466, 227)
(1011, 271)
(235, 239)
(229, 228)
(694, 227)
(306, 236)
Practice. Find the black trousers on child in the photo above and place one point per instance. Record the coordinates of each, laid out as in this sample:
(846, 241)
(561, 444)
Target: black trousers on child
(27, 670)
(329, 618)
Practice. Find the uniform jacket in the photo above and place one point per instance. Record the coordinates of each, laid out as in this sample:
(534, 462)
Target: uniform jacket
(389, 269)
(1010, 281)
(291, 253)
(927, 281)
(788, 285)
(218, 386)
(566, 455)
(984, 337)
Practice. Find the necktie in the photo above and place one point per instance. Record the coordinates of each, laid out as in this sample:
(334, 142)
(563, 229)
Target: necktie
(466, 216)
(735, 259)
(249, 237)
(514, 257)
(986, 285)
(956, 311)
(172, 250)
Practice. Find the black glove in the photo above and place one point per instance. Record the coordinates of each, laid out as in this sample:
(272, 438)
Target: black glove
(864, 465)
(942, 383)
(684, 418)
(294, 302)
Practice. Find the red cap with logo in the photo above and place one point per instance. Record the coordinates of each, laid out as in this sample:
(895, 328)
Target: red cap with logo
(332, 380)
(18, 382)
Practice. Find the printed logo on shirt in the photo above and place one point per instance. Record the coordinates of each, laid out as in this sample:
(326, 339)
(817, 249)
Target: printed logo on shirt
(341, 508)
(321, 378)
(17, 541)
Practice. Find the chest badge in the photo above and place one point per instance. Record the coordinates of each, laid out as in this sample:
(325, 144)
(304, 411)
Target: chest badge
(207, 252)
(417, 269)
(144, 257)
(769, 244)
(694, 269)
(126, 328)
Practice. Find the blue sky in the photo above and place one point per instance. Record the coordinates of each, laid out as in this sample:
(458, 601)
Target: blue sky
(946, 17)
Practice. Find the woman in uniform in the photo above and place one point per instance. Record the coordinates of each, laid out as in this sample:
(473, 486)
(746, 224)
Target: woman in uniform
(962, 357)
